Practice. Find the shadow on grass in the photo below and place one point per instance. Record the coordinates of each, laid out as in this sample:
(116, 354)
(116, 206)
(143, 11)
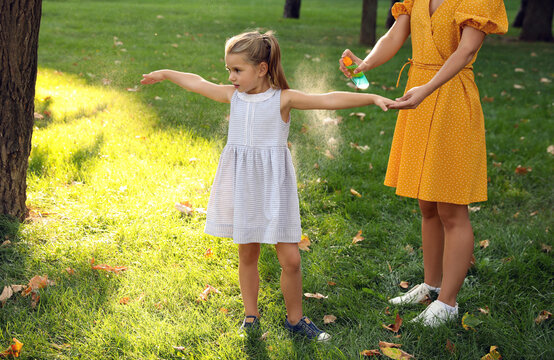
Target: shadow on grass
(255, 348)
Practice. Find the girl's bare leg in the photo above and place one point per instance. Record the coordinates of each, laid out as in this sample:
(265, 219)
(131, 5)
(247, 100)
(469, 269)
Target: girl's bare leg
(249, 277)
(432, 238)
(291, 279)
(458, 235)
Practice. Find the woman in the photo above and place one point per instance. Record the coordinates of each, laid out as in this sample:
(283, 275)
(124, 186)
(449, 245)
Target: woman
(438, 153)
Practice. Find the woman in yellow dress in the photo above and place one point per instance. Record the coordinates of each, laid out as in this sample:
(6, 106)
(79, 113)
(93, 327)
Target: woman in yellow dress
(438, 153)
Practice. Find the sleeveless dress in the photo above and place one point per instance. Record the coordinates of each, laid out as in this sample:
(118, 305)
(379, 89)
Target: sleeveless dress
(254, 194)
(438, 150)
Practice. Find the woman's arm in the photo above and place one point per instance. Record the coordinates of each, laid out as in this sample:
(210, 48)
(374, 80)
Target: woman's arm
(191, 82)
(387, 46)
(294, 99)
(470, 42)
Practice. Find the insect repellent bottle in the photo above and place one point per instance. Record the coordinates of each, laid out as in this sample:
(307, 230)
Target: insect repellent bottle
(358, 79)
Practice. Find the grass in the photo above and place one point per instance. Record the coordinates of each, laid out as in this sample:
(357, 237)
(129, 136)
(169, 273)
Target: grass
(108, 165)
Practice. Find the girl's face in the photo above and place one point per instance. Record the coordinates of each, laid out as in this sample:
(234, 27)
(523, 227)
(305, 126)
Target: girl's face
(246, 77)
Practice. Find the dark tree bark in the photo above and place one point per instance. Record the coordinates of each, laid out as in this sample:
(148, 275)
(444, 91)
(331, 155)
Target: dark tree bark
(518, 22)
(537, 24)
(292, 9)
(369, 22)
(390, 18)
(19, 27)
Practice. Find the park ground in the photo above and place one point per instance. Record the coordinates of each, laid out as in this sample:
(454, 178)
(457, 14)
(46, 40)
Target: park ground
(111, 159)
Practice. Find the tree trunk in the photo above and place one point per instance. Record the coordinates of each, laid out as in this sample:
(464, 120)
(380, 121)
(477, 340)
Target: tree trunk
(390, 18)
(19, 27)
(369, 22)
(292, 9)
(537, 24)
(518, 22)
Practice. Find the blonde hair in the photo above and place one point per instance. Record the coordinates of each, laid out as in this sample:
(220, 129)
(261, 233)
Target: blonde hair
(259, 48)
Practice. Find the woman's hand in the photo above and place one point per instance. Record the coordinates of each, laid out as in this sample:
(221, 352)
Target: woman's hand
(153, 77)
(411, 99)
(355, 59)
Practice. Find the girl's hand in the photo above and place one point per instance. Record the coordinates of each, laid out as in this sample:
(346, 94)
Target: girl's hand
(153, 77)
(355, 59)
(383, 102)
(411, 99)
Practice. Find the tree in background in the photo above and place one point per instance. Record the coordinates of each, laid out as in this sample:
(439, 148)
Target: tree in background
(19, 25)
(390, 18)
(292, 9)
(369, 22)
(537, 21)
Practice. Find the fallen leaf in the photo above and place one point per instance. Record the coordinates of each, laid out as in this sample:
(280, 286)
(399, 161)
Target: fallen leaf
(6, 294)
(394, 327)
(264, 335)
(185, 207)
(208, 253)
(543, 315)
(358, 237)
(360, 115)
(37, 282)
(534, 213)
(545, 80)
(472, 261)
(304, 243)
(387, 311)
(14, 350)
(488, 99)
(38, 116)
(6, 243)
(470, 322)
(370, 353)
(327, 319)
(450, 346)
(124, 300)
(35, 297)
(388, 344)
(473, 208)
(355, 193)
(329, 155)
(404, 284)
(395, 353)
(180, 348)
(519, 87)
(114, 269)
(484, 243)
(519, 70)
(70, 271)
(331, 283)
(546, 248)
(315, 296)
(492, 355)
(484, 310)
(18, 288)
(204, 294)
(522, 170)
(550, 149)
(426, 301)
(331, 121)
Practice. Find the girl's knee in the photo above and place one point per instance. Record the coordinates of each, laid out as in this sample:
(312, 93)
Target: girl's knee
(452, 215)
(428, 209)
(289, 257)
(291, 265)
(249, 253)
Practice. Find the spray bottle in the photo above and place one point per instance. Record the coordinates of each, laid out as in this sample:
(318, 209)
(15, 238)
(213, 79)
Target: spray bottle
(358, 79)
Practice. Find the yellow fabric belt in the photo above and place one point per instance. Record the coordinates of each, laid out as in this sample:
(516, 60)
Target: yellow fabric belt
(425, 66)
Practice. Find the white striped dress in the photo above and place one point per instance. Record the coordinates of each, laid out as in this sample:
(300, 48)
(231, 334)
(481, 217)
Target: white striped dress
(254, 197)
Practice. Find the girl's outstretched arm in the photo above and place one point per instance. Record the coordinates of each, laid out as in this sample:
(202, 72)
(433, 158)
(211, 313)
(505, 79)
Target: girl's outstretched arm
(294, 99)
(387, 46)
(191, 82)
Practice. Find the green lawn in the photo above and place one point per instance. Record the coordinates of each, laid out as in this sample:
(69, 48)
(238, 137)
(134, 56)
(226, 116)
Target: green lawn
(111, 158)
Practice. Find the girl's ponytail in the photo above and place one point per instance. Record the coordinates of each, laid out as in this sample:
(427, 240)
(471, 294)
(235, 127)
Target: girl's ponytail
(260, 48)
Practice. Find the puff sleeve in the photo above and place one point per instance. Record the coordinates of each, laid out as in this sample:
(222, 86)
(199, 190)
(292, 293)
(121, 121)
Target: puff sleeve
(489, 16)
(402, 8)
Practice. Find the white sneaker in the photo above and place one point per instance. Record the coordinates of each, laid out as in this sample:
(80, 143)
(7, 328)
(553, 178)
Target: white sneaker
(435, 315)
(417, 294)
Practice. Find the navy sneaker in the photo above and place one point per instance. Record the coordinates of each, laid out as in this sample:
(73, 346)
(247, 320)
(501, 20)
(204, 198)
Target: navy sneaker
(250, 323)
(307, 328)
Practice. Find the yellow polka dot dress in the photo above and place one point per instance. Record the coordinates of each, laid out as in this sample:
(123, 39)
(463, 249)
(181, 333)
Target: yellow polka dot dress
(438, 149)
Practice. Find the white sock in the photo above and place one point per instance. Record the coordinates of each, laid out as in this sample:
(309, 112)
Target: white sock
(450, 309)
(432, 288)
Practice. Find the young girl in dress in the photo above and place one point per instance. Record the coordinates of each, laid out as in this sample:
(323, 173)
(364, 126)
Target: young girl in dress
(254, 197)
(438, 151)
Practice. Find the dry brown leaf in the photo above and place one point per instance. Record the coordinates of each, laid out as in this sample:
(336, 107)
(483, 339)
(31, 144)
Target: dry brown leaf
(543, 315)
(550, 149)
(387, 311)
(360, 115)
(304, 243)
(450, 346)
(185, 207)
(331, 283)
(492, 355)
(358, 237)
(534, 213)
(18, 288)
(519, 87)
(370, 353)
(70, 271)
(329, 155)
(7, 293)
(404, 284)
(488, 99)
(114, 269)
(484, 243)
(264, 335)
(426, 301)
(473, 208)
(327, 319)
(396, 326)
(484, 310)
(522, 170)
(388, 344)
(395, 353)
(204, 294)
(355, 193)
(315, 296)
(124, 300)
(37, 282)
(545, 80)
(546, 248)
(208, 253)
(6, 243)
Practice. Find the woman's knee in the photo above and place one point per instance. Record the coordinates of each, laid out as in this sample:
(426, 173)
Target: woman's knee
(428, 209)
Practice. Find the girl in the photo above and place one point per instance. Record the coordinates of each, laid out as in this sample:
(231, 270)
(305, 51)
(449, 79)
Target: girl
(438, 151)
(254, 197)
